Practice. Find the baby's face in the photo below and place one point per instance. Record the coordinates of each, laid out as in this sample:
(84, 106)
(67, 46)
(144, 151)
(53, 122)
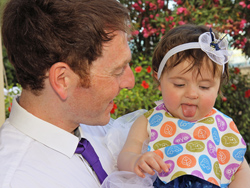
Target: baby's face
(187, 95)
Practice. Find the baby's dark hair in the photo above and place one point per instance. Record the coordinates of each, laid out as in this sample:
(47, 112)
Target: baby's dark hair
(181, 35)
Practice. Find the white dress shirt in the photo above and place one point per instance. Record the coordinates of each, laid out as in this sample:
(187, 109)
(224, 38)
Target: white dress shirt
(37, 154)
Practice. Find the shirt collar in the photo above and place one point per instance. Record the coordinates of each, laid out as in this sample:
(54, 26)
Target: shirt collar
(42, 131)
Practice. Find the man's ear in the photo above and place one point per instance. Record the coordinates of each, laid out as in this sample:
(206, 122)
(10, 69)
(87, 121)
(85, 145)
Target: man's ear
(155, 75)
(59, 79)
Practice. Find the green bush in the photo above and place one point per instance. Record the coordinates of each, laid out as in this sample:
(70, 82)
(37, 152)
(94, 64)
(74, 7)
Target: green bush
(143, 95)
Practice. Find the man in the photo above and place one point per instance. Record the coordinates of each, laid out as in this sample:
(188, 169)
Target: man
(71, 58)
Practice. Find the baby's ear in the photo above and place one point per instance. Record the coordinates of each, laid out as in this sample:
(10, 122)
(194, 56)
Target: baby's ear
(155, 75)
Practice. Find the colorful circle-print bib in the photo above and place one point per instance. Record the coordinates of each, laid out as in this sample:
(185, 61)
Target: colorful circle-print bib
(211, 149)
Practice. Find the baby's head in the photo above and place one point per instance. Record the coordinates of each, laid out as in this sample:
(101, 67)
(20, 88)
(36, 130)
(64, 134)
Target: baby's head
(188, 77)
(182, 35)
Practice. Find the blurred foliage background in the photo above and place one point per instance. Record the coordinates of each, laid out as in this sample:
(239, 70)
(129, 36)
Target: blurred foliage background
(151, 19)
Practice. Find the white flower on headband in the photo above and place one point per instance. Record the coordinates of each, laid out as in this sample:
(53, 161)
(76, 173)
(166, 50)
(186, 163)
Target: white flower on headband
(215, 49)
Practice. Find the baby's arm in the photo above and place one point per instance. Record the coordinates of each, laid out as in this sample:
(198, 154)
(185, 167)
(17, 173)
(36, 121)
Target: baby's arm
(241, 177)
(131, 159)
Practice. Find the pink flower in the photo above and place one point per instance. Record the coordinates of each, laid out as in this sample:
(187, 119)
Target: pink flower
(181, 10)
(181, 23)
(145, 33)
(248, 6)
(134, 33)
(209, 25)
(242, 23)
(243, 4)
(152, 31)
(179, 2)
(137, 7)
(163, 30)
(152, 6)
(160, 3)
(151, 16)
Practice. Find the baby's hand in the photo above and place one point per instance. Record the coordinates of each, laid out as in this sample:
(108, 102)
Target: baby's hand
(148, 162)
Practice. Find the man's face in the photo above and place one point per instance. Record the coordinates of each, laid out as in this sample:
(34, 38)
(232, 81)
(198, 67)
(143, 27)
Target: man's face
(108, 75)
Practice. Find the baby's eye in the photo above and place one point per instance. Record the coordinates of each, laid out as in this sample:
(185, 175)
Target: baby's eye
(204, 87)
(179, 85)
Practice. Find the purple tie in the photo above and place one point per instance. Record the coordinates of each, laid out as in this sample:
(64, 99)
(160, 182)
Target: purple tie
(87, 151)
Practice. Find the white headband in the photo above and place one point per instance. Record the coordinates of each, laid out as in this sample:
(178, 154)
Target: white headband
(215, 49)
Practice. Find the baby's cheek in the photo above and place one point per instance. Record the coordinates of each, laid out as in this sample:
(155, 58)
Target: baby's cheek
(208, 103)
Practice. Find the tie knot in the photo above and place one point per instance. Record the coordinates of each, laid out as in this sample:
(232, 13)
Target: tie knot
(82, 145)
(87, 151)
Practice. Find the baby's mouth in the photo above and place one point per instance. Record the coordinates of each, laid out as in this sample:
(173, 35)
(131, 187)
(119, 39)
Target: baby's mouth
(188, 110)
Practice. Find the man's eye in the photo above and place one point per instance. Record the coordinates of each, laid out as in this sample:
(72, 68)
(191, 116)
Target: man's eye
(120, 73)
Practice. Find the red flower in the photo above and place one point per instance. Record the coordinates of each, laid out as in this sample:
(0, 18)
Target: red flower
(224, 99)
(236, 70)
(149, 69)
(247, 93)
(144, 84)
(113, 109)
(138, 69)
(234, 86)
(9, 109)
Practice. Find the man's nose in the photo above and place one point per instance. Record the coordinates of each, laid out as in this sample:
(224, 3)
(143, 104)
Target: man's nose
(128, 79)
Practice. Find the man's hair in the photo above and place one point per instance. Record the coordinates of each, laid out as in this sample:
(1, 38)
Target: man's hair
(39, 33)
(180, 35)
